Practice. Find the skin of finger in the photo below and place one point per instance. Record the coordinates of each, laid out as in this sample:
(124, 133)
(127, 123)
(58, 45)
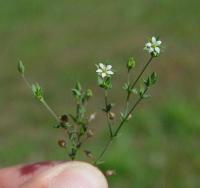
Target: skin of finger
(14, 177)
(69, 175)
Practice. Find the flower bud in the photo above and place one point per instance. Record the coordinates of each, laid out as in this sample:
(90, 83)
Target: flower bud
(89, 93)
(37, 91)
(130, 63)
(21, 67)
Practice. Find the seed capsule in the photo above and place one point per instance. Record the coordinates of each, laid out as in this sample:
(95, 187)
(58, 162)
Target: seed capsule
(90, 133)
(129, 117)
(62, 143)
(64, 119)
(110, 173)
(88, 154)
(92, 117)
(111, 115)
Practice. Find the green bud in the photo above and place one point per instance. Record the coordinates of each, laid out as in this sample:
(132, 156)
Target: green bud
(37, 91)
(89, 93)
(21, 67)
(131, 63)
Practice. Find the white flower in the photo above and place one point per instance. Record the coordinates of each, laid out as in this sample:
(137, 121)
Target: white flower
(104, 70)
(153, 46)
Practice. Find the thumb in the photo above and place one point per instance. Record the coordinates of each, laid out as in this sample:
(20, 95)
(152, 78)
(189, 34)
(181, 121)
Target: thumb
(69, 175)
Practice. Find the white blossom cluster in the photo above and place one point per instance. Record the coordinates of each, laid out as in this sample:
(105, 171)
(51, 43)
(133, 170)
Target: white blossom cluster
(104, 70)
(153, 46)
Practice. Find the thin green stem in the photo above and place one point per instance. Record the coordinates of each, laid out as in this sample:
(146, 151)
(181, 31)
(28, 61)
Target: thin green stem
(107, 117)
(49, 109)
(42, 100)
(26, 81)
(139, 76)
(127, 98)
(103, 151)
(127, 115)
(114, 135)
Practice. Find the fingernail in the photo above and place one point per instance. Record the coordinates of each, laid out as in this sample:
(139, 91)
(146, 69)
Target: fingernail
(74, 175)
(71, 175)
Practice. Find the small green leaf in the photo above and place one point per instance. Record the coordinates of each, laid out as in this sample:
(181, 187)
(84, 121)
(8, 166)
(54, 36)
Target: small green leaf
(76, 92)
(134, 90)
(56, 126)
(142, 91)
(126, 86)
(21, 67)
(145, 96)
(147, 82)
(78, 86)
(154, 78)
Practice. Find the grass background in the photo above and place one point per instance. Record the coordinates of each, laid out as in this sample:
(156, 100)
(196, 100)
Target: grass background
(60, 41)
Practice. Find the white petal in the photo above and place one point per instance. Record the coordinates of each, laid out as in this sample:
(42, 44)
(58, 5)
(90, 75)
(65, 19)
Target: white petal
(99, 70)
(153, 40)
(110, 72)
(101, 65)
(103, 75)
(158, 43)
(157, 50)
(109, 67)
(148, 44)
(150, 50)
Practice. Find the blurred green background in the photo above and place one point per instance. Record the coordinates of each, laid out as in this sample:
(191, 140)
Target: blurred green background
(60, 41)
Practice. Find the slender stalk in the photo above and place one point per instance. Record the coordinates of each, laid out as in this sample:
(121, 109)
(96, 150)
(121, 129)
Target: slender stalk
(103, 151)
(127, 98)
(49, 109)
(26, 81)
(114, 135)
(42, 100)
(139, 76)
(108, 121)
(127, 115)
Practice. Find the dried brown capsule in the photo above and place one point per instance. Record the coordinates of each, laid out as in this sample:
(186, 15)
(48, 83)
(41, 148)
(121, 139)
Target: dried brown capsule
(110, 173)
(62, 143)
(129, 117)
(88, 154)
(64, 119)
(111, 115)
(90, 133)
(92, 117)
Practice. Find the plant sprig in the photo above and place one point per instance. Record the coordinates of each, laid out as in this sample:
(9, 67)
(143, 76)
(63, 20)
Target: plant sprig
(76, 125)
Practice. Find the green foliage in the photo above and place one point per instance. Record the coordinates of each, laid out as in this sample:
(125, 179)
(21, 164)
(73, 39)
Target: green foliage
(151, 80)
(127, 87)
(156, 158)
